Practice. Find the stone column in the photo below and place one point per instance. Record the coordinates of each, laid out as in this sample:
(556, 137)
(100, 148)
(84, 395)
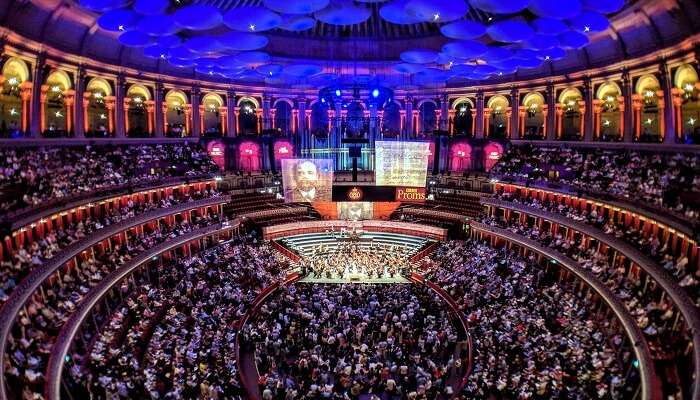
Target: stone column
(628, 118)
(69, 101)
(266, 115)
(127, 104)
(669, 120)
(443, 123)
(409, 118)
(26, 96)
(150, 115)
(196, 113)
(159, 100)
(36, 109)
(120, 115)
(231, 116)
(480, 114)
(110, 103)
(79, 125)
(515, 132)
(302, 130)
(549, 122)
(588, 116)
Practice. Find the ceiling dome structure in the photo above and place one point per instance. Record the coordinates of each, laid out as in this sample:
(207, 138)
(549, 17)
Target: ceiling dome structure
(503, 40)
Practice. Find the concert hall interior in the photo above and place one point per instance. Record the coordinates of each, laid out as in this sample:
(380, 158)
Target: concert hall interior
(349, 199)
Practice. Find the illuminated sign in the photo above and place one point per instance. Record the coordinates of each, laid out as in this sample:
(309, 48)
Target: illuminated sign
(410, 194)
(355, 194)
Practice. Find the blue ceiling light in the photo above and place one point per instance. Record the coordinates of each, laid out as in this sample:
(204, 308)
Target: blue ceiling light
(296, 6)
(297, 23)
(419, 56)
(375, 93)
(343, 14)
(589, 21)
(500, 6)
(604, 7)
(302, 70)
(118, 20)
(203, 45)
(338, 92)
(251, 19)
(198, 17)
(242, 41)
(510, 31)
(495, 54)
(465, 49)
(270, 69)
(555, 53)
(252, 58)
(463, 30)
(556, 8)
(177, 62)
(549, 26)
(103, 5)
(158, 25)
(395, 12)
(151, 7)
(573, 40)
(437, 10)
(445, 59)
(182, 53)
(135, 39)
(155, 51)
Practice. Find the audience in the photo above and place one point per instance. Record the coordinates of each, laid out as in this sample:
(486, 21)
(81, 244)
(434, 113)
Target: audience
(31, 176)
(671, 181)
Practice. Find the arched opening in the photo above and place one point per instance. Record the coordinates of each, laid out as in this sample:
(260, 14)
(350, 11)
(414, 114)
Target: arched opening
(498, 120)
(137, 113)
(211, 115)
(175, 116)
(570, 101)
(248, 118)
(427, 118)
(648, 88)
(492, 153)
(249, 157)
(283, 118)
(391, 120)
(12, 109)
(319, 120)
(460, 157)
(686, 80)
(55, 108)
(283, 149)
(534, 116)
(609, 112)
(100, 122)
(463, 119)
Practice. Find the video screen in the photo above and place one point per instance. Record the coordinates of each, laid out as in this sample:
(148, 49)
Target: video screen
(355, 211)
(307, 180)
(401, 163)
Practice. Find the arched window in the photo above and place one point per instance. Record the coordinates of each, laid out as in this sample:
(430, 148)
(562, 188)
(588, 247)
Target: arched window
(319, 120)
(211, 115)
(608, 94)
(137, 115)
(534, 116)
(175, 116)
(570, 101)
(391, 123)
(247, 117)
(100, 122)
(498, 121)
(647, 87)
(427, 117)
(686, 80)
(463, 119)
(15, 73)
(55, 109)
(283, 117)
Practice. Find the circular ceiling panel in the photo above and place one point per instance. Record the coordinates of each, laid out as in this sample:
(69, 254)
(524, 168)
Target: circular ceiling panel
(500, 6)
(155, 51)
(343, 14)
(510, 31)
(542, 42)
(158, 25)
(419, 56)
(270, 69)
(252, 57)
(556, 8)
(462, 69)
(464, 49)
(437, 10)
(198, 17)
(555, 53)
(463, 30)
(407, 68)
(589, 21)
(182, 53)
(605, 7)
(242, 41)
(495, 54)
(573, 40)
(251, 19)
(296, 6)
(302, 70)
(103, 5)
(203, 45)
(135, 39)
(549, 26)
(169, 41)
(151, 7)
(118, 20)
(395, 12)
(297, 23)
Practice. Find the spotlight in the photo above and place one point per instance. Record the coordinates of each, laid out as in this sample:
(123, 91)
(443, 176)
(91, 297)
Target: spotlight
(338, 92)
(375, 93)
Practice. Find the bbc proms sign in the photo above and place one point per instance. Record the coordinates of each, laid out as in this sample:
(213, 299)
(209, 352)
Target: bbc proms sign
(410, 194)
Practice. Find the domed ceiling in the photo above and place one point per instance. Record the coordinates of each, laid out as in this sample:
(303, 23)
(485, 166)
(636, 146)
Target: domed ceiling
(313, 42)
